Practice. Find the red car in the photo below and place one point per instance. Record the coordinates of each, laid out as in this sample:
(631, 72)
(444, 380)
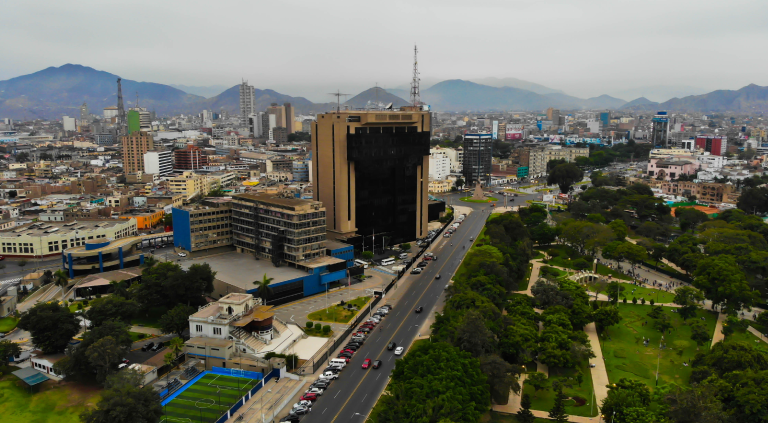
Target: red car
(309, 397)
(366, 363)
(347, 350)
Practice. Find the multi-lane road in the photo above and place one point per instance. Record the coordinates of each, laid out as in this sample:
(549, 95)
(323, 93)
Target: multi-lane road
(353, 395)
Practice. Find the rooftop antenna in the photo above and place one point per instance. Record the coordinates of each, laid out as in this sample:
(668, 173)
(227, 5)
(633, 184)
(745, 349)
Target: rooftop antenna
(137, 100)
(338, 95)
(415, 94)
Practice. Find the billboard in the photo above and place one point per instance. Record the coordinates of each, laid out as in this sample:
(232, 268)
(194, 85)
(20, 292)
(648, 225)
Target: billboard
(514, 135)
(495, 129)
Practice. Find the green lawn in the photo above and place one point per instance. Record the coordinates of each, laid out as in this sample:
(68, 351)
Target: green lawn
(544, 400)
(206, 400)
(523, 285)
(749, 338)
(339, 314)
(627, 357)
(494, 417)
(538, 255)
(149, 318)
(658, 296)
(55, 402)
(472, 200)
(137, 336)
(515, 191)
(8, 324)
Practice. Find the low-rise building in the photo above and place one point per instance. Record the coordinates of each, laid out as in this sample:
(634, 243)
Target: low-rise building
(668, 169)
(43, 239)
(440, 186)
(44, 362)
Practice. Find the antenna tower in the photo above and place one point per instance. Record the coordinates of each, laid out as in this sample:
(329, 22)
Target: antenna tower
(120, 107)
(338, 95)
(415, 94)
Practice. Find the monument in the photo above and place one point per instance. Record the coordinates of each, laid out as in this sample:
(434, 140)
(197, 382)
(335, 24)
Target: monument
(478, 194)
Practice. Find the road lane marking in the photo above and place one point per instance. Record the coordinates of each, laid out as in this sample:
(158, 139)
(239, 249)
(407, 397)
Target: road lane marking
(337, 394)
(396, 330)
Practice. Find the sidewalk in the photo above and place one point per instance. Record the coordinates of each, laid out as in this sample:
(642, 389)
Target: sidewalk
(718, 335)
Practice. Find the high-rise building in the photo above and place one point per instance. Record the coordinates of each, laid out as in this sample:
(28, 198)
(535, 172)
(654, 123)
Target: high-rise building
(135, 145)
(265, 119)
(478, 157)
(605, 118)
(134, 121)
(279, 113)
(190, 158)
(68, 123)
(256, 124)
(158, 162)
(439, 164)
(715, 145)
(371, 172)
(247, 102)
(289, 118)
(660, 130)
(280, 134)
(84, 115)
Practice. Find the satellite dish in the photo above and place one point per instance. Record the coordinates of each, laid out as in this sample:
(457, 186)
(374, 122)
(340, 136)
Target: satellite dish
(389, 106)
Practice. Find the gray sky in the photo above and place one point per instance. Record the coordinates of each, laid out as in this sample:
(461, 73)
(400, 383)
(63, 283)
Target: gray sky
(310, 47)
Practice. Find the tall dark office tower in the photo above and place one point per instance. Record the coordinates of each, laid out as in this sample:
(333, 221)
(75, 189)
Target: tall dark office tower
(371, 172)
(478, 152)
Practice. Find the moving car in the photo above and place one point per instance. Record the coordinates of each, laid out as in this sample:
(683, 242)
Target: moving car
(399, 351)
(437, 276)
(416, 270)
(366, 363)
(391, 346)
(377, 364)
(419, 309)
(182, 254)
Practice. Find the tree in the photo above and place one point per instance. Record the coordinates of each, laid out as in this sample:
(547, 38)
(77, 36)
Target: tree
(47, 277)
(77, 364)
(60, 278)
(554, 163)
(104, 355)
(697, 404)
(502, 377)
(176, 320)
(52, 326)
(624, 396)
(459, 182)
(473, 336)
(168, 360)
(619, 228)
(168, 220)
(12, 194)
(565, 175)
(606, 316)
(264, 291)
(699, 333)
(405, 246)
(690, 218)
(462, 399)
(112, 308)
(688, 299)
(8, 349)
(367, 255)
(123, 401)
(754, 200)
(723, 282)
(524, 414)
(663, 323)
(557, 413)
(538, 380)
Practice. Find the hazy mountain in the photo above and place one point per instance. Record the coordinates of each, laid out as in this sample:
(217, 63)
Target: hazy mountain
(641, 103)
(206, 92)
(229, 100)
(371, 96)
(54, 92)
(752, 98)
(402, 93)
(517, 83)
(660, 92)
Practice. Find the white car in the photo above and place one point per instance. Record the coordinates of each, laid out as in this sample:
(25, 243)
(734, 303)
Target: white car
(399, 351)
(302, 403)
(182, 254)
(316, 391)
(329, 375)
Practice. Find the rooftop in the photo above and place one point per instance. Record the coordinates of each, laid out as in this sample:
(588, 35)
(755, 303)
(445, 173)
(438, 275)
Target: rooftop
(287, 203)
(241, 270)
(47, 228)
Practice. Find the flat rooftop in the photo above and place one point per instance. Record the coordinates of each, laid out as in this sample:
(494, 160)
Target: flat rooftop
(295, 204)
(335, 245)
(47, 228)
(240, 270)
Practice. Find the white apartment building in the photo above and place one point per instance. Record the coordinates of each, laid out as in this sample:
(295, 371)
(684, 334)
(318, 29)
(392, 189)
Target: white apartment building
(710, 162)
(158, 162)
(439, 164)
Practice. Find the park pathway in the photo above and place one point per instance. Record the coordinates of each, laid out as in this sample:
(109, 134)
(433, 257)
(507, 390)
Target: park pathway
(599, 372)
(718, 335)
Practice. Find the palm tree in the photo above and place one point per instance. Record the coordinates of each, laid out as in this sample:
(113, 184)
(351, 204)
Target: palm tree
(168, 359)
(149, 262)
(119, 288)
(176, 345)
(264, 291)
(60, 278)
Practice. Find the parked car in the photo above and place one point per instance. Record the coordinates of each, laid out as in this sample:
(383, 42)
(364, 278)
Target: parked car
(423, 263)
(377, 364)
(329, 375)
(157, 347)
(148, 346)
(366, 363)
(316, 391)
(291, 418)
(299, 411)
(399, 351)
(302, 404)
(309, 397)
(416, 270)
(182, 254)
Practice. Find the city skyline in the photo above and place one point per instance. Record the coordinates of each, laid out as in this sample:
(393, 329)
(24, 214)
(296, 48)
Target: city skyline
(584, 48)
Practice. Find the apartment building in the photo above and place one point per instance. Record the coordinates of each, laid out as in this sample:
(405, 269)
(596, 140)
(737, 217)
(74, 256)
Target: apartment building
(281, 229)
(134, 147)
(439, 164)
(190, 158)
(569, 154)
(204, 226)
(190, 185)
(705, 192)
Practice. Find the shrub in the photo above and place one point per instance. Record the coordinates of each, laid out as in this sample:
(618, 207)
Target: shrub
(580, 264)
(634, 300)
(327, 329)
(642, 300)
(310, 325)
(142, 335)
(71, 300)
(652, 302)
(98, 295)
(79, 306)
(85, 303)
(553, 252)
(625, 300)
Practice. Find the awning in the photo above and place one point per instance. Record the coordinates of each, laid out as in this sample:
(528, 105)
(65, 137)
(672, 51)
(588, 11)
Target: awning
(30, 376)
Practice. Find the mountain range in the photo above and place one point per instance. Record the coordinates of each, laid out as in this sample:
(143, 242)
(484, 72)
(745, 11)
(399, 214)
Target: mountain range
(54, 92)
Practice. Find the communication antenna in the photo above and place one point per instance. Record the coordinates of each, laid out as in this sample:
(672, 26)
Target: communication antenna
(338, 95)
(137, 100)
(415, 94)
(120, 107)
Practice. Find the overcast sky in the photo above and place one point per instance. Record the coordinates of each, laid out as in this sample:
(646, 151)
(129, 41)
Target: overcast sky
(310, 47)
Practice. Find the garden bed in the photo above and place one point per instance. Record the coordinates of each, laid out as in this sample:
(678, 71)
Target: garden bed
(338, 313)
(579, 402)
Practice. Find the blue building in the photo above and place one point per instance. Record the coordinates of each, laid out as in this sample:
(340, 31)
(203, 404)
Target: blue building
(605, 117)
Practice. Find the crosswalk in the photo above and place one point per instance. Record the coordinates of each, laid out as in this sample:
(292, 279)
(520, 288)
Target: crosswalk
(10, 281)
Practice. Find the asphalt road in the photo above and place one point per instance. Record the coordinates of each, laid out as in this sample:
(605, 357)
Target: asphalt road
(353, 395)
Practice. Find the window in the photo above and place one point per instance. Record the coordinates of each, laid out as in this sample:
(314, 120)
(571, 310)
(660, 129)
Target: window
(217, 331)
(199, 328)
